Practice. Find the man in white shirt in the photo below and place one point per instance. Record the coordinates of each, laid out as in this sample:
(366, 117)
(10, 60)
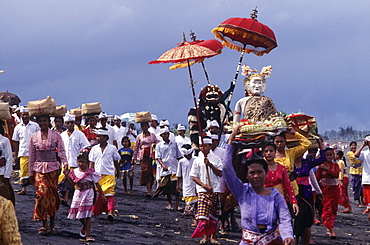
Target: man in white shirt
(103, 118)
(21, 138)
(104, 159)
(181, 139)
(167, 153)
(206, 170)
(364, 156)
(74, 141)
(154, 128)
(119, 129)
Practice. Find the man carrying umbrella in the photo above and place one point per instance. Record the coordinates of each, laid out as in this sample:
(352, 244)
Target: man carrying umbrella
(21, 138)
(206, 169)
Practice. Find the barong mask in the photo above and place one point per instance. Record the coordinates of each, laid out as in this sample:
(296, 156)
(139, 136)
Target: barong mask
(255, 83)
(211, 94)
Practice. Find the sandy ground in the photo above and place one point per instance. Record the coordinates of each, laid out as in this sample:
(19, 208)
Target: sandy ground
(144, 221)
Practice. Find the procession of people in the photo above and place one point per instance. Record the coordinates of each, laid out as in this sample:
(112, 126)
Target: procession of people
(212, 178)
(264, 174)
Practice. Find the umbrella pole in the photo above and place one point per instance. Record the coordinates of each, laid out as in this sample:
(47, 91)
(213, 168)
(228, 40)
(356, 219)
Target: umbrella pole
(198, 117)
(231, 89)
(206, 73)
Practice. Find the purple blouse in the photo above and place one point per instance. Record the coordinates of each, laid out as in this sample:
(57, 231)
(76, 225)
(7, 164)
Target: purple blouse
(303, 173)
(275, 208)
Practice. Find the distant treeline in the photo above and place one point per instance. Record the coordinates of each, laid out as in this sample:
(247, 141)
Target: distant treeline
(345, 133)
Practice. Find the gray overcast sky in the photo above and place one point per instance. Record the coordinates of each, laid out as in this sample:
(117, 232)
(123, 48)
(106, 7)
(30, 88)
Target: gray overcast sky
(89, 50)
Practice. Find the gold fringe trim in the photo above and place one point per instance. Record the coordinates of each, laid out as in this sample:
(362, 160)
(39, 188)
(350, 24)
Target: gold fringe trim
(244, 34)
(183, 65)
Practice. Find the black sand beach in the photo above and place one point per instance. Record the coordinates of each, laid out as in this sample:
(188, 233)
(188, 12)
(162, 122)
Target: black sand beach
(144, 221)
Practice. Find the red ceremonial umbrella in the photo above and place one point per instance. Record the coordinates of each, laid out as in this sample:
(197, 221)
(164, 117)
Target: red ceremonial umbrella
(246, 35)
(185, 52)
(212, 44)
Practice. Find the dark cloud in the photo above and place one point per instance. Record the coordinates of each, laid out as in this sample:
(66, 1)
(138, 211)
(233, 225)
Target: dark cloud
(86, 51)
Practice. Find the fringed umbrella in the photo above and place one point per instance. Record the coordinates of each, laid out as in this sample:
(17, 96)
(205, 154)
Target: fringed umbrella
(245, 35)
(212, 44)
(185, 52)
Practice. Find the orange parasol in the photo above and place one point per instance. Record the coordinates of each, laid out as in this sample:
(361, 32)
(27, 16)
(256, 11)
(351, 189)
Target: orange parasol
(212, 44)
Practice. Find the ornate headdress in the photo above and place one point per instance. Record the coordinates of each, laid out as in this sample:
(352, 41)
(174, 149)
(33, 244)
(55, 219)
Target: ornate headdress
(249, 73)
(265, 72)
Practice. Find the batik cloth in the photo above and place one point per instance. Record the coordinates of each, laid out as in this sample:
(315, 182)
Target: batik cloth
(208, 206)
(254, 238)
(47, 198)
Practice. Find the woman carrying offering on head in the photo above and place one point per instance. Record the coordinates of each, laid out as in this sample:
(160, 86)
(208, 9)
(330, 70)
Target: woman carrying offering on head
(259, 224)
(45, 146)
(144, 146)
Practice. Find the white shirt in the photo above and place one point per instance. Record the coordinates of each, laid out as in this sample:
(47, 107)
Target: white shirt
(365, 158)
(168, 153)
(218, 151)
(104, 161)
(182, 141)
(199, 170)
(131, 137)
(183, 170)
(73, 144)
(22, 133)
(6, 152)
(120, 133)
(154, 130)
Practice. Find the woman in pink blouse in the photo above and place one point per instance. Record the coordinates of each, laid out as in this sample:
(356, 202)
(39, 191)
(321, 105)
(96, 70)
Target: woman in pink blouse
(45, 148)
(277, 176)
(145, 144)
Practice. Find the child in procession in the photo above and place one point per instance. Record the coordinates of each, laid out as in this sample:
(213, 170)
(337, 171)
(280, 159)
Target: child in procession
(188, 185)
(126, 166)
(83, 179)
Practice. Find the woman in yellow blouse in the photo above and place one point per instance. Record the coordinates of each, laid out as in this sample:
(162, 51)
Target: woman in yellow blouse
(286, 157)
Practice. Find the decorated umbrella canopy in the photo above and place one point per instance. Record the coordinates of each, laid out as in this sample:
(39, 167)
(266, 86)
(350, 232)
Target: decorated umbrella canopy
(10, 97)
(185, 52)
(212, 44)
(246, 35)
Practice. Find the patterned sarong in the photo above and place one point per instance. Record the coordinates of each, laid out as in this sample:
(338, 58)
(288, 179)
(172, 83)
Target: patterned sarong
(254, 238)
(208, 206)
(146, 174)
(207, 214)
(47, 198)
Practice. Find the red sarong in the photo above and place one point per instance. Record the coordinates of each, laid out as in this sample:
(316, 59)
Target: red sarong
(330, 205)
(343, 193)
(367, 195)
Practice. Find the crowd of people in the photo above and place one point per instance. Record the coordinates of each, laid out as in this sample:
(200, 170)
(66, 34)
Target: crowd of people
(78, 165)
